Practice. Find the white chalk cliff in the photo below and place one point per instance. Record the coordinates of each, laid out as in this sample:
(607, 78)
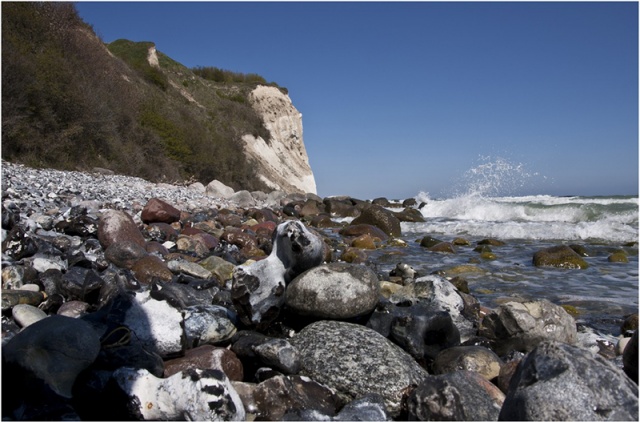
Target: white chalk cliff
(281, 161)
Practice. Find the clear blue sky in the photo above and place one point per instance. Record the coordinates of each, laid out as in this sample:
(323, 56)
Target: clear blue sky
(399, 98)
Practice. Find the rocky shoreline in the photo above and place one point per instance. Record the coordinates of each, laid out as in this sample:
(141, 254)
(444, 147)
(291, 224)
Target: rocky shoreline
(124, 299)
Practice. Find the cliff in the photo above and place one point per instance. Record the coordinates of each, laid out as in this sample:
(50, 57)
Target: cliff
(72, 102)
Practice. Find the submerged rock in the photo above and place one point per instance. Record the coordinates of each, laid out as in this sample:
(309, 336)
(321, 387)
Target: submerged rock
(561, 256)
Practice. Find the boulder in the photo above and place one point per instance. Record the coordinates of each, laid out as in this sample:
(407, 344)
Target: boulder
(279, 354)
(55, 350)
(381, 218)
(243, 198)
(355, 361)
(356, 230)
(557, 381)
(340, 208)
(125, 254)
(468, 358)
(522, 326)
(410, 215)
(630, 357)
(158, 211)
(150, 268)
(455, 396)
(218, 189)
(117, 226)
(561, 256)
(335, 291)
(195, 394)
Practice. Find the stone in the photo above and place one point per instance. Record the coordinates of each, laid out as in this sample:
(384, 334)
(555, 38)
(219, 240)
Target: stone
(410, 215)
(207, 357)
(630, 358)
(117, 226)
(207, 324)
(282, 393)
(42, 263)
(354, 256)
(25, 315)
(335, 291)
(340, 208)
(361, 362)
(124, 254)
(522, 326)
(365, 242)
(468, 358)
(191, 268)
(558, 381)
(243, 198)
(618, 256)
(561, 256)
(381, 218)
(258, 288)
(195, 394)
(11, 298)
(19, 244)
(150, 268)
(221, 269)
(443, 247)
(218, 189)
(356, 230)
(158, 211)
(81, 283)
(279, 354)
(460, 395)
(367, 408)
(12, 277)
(55, 350)
(428, 241)
(192, 245)
(73, 309)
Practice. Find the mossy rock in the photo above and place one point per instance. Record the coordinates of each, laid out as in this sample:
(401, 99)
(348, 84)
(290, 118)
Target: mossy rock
(491, 242)
(482, 249)
(489, 256)
(630, 323)
(443, 247)
(460, 284)
(619, 256)
(366, 241)
(571, 310)
(354, 256)
(582, 250)
(561, 256)
(464, 269)
(461, 241)
(429, 241)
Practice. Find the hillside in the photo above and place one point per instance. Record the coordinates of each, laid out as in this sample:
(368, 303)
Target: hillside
(72, 102)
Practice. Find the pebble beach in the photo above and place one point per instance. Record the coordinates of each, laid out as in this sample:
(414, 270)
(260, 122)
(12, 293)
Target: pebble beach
(125, 299)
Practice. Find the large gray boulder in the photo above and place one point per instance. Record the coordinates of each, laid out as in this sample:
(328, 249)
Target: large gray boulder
(336, 291)
(355, 361)
(380, 217)
(558, 381)
(522, 326)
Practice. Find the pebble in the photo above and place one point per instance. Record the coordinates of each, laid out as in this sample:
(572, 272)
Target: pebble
(25, 315)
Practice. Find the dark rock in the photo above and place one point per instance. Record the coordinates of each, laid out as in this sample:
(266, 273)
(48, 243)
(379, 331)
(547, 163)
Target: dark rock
(557, 381)
(280, 354)
(73, 309)
(151, 268)
(409, 202)
(340, 208)
(245, 341)
(630, 357)
(124, 254)
(335, 291)
(428, 241)
(362, 362)
(275, 396)
(468, 358)
(630, 323)
(522, 326)
(180, 295)
(81, 284)
(355, 230)
(117, 226)
(11, 298)
(161, 232)
(410, 215)
(354, 256)
(9, 218)
(207, 357)
(383, 202)
(322, 221)
(19, 244)
(368, 408)
(81, 225)
(459, 395)
(381, 218)
(561, 256)
(443, 247)
(158, 211)
(55, 350)
(207, 324)
(491, 242)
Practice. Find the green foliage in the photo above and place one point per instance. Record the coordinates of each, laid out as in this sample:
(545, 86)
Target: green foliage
(227, 76)
(68, 104)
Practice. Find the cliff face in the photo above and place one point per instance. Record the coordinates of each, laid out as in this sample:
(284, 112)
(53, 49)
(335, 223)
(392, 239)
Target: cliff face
(72, 102)
(282, 160)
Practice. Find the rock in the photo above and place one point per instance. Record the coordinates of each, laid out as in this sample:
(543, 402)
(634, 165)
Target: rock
(221, 269)
(428, 241)
(207, 357)
(55, 350)
(279, 354)
(150, 268)
(618, 256)
(630, 323)
(73, 309)
(42, 263)
(522, 326)
(443, 247)
(279, 394)
(340, 208)
(218, 189)
(243, 198)
(181, 266)
(11, 298)
(410, 215)
(356, 230)
(117, 226)
(460, 395)
(381, 218)
(468, 358)
(258, 289)
(557, 381)
(25, 315)
(81, 283)
(354, 256)
(158, 211)
(366, 242)
(195, 394)
(335, 291)
(207, 324)
(561, 256)
(12, 277)
(124, 254)
(19, 244)
(368, 408)
(192, 245)
(361, 362)
(630, 358)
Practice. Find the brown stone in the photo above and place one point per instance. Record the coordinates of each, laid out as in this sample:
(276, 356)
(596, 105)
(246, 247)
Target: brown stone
(156, 210)
(150, 267)
(118, 226)
(207, 357)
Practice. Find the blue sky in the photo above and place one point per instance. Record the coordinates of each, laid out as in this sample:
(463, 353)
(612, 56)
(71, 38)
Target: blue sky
(399, 98)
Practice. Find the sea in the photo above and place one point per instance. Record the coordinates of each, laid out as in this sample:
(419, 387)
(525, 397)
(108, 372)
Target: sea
(602, 295)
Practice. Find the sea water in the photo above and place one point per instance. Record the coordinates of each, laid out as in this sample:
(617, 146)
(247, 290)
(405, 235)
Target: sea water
(602, 294)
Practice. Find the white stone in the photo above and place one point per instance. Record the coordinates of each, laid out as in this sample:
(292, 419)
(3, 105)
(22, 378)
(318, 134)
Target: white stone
(25, 315)
(219, 190)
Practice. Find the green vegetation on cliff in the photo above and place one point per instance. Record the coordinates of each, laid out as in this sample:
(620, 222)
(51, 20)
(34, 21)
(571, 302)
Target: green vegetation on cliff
(71, 102)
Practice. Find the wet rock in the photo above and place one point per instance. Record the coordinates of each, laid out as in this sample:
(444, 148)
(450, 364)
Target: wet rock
(158, 211)
(118, 226)
(279, 354)
(124, 254)
(356, 230)
(258, 289)
(279, 394)
(192, 245)
(629, 324)
(366, 242)
(207, 357)
(443, 247)
(618, 256)
(207, 325)
(354, 256)
(410, 215)
(468, 358)
(25, 315)
(191, 268)
(221, 269)
(12, 277)
(335, 290)
(381, 218)
(522, 326)
(459, 395)
(429, 241)
(561, 256)
(340, 208)
(150, 268)
(161, 232)
(55, 350)
(362, 362)
(11, 298)
(630, 358)
(557, 381)
(194, 394)
(41, 263)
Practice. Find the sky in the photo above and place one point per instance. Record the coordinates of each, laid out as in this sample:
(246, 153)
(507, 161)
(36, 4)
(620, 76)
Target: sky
(402, 98)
